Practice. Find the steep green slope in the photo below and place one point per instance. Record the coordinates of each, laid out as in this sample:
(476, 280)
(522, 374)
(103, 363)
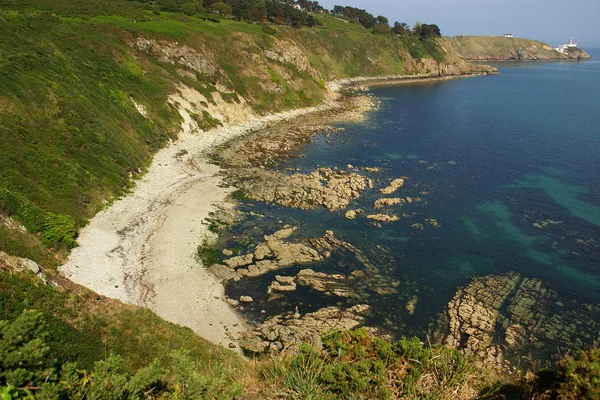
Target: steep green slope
(86, 94)
(499, 48)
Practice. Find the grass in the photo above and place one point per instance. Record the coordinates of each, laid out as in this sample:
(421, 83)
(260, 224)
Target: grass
(354, 364)
(498, 47)
(85, 328)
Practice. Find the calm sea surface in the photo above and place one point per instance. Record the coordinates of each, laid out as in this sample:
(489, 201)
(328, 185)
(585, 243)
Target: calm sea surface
(489, 157)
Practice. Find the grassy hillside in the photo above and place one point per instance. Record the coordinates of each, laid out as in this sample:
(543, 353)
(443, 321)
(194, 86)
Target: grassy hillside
(499, 48)
(76, 77)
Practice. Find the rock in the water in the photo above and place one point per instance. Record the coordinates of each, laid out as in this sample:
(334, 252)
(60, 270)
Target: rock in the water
(387, 201)
(351, 214)
(383, 217)
(393, 186)
(283, 284)
(246, 299)
(240, 261)
(233, 302)
(224, 273)
(411, 305)
(262, 251)
(227, 252)
(514, 335)
(332, 189)
(499, 313)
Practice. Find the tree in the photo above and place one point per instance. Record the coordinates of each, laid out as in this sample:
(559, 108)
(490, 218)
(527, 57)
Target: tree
(401, 28)
(417, 28)
(220, 8)
(192, 7)
(430, 31)
(382, 20)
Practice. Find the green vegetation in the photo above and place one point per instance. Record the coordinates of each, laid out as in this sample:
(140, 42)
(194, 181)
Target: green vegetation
(28, 371)
(127, 353)
(579, 377)
(354, 364)
(501, 48)
(208, 255)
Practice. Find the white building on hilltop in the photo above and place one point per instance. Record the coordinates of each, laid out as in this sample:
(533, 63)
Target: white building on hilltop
(508, 35)
(563, 47)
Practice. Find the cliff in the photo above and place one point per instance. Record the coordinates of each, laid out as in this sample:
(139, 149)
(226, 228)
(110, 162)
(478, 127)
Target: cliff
(494, 48)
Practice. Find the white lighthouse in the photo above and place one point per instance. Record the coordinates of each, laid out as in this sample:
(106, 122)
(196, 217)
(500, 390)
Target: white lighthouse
(563, 47)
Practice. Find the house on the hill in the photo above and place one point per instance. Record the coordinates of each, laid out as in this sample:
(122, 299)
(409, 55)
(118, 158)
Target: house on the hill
(508, 35)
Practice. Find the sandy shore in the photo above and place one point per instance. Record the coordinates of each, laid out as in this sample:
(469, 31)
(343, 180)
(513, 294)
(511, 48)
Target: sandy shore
(141, 249)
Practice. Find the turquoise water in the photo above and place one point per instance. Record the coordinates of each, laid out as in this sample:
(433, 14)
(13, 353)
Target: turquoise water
(489, 157)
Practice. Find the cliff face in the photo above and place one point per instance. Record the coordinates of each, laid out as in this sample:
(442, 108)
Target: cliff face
(492, 48)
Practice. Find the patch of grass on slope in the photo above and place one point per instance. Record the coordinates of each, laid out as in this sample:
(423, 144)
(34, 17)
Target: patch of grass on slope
(85, 328)
(70, 133)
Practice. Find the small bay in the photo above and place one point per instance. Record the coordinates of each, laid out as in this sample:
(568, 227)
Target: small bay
(504, 171)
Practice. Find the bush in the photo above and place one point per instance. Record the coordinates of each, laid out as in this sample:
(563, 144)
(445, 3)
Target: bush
(26, 371)
(354, 364)
(579, 376)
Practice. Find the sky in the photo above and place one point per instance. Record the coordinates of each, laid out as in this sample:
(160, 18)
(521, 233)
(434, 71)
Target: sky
(551, 21)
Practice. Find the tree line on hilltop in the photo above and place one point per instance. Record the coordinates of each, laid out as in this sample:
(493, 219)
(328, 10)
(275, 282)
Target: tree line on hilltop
(295, 13)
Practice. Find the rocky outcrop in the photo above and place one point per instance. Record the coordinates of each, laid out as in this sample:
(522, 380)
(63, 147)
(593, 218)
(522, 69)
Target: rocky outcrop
(17, 264)
(387, 202)
(393, 186)
(351, 214)
(383, 217)
(285, 333)
(357, 284)
(332, 189)
(272, 254)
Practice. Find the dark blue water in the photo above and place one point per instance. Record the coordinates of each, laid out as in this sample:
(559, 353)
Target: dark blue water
(489, 157)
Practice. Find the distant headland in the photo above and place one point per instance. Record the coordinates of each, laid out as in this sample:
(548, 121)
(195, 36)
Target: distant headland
(509, 48)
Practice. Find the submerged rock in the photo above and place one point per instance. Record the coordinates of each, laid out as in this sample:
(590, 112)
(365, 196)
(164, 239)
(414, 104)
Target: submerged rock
(497, 314)
(383, 217)
(385, 202)
(393, 186)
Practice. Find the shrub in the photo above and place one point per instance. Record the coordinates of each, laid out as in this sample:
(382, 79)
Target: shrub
(26, 371)
(579, 376)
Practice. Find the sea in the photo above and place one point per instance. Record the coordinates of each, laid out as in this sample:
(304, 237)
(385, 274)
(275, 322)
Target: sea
(505, 171)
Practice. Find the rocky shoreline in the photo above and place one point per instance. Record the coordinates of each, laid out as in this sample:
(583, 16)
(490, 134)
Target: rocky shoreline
(493, 318)
(141, 250)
